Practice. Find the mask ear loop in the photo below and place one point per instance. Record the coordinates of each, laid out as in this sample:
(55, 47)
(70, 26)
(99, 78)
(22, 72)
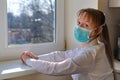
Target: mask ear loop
(103, 25)
(97, 28)
(100, 26)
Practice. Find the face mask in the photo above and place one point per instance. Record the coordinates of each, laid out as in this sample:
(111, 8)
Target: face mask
(81, 34)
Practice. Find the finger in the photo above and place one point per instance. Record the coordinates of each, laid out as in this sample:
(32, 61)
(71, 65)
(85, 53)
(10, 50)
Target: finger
(27, 53)
(22, 58)
(30, 54)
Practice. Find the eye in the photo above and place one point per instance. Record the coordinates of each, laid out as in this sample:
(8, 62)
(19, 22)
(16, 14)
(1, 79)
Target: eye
(78, 22)
(86, 25)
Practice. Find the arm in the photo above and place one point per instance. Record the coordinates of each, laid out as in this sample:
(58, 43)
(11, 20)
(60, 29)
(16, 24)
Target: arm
(53, 68)
(55, 56)
(82, 62)
(58, 56)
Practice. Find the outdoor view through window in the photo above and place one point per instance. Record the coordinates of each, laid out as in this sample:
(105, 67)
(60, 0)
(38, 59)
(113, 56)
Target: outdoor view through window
(30, 21)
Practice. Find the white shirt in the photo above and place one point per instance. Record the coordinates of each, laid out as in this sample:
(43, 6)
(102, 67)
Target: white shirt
(88, 63)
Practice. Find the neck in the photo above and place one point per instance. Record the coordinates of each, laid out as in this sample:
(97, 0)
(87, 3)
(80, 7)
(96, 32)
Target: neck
(84, 44)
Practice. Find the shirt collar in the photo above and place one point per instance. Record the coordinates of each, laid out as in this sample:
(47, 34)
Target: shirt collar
(92, 43)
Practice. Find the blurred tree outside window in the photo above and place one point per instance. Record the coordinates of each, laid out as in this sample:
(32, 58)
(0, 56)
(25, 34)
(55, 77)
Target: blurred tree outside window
(31, 21)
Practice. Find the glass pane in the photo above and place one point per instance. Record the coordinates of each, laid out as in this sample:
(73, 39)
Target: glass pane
(31, 21)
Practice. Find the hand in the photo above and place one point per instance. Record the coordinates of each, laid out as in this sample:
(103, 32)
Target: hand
(27, 54)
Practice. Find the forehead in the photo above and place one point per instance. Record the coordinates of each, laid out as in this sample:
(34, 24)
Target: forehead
(86, 17)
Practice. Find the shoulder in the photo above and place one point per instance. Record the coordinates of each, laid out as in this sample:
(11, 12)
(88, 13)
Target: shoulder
(95, 49)
(89, 52)
(98, 47)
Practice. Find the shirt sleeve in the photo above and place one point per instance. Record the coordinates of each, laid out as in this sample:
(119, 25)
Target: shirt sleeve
(58, 56)
(77, 64)
(86, 60)
(65, 67)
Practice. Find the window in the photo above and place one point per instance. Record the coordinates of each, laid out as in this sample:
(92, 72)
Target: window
(34, 25)
(31, 21)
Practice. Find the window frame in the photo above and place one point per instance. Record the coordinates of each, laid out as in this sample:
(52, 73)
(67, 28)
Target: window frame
(13, 52)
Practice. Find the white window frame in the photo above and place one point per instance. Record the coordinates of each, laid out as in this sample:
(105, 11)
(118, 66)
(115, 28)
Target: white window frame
(13, 52)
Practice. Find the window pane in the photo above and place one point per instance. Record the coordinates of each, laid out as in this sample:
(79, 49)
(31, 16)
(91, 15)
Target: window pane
(31, 21)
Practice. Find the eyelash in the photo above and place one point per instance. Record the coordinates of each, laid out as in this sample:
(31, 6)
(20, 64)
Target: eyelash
(78, 22)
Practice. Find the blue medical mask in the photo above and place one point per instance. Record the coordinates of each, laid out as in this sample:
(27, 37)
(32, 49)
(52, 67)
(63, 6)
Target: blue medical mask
(81, 34)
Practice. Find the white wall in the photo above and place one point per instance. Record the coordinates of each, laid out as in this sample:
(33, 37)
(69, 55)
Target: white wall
(71, 8)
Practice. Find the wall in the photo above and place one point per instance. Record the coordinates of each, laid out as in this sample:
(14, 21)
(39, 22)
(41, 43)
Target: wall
(112, 20)
(71, 8)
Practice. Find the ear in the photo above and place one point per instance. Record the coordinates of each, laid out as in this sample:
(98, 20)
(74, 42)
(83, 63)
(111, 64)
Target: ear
(99, 30)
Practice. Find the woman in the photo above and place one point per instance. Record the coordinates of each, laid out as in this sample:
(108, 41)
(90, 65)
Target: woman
(91, 61)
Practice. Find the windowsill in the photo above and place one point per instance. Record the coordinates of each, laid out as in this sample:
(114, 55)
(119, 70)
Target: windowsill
(11, 69)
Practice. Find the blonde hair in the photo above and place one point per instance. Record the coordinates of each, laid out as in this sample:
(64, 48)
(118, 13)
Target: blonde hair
(98, 18)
